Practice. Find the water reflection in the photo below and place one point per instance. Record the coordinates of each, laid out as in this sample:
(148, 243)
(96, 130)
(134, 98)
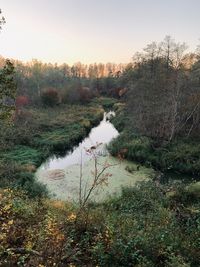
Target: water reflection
(103, 134)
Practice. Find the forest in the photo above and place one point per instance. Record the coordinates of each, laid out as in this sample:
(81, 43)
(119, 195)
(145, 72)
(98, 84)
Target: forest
(47, 110)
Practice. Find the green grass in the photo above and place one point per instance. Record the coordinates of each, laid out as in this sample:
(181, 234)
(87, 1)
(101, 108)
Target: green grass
(39, 133)
(61, 139)
(106, 102)
(23, 155)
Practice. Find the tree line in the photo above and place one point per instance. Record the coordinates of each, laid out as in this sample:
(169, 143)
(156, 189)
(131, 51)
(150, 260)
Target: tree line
(161, 87)
(163, 84)
(77, 83)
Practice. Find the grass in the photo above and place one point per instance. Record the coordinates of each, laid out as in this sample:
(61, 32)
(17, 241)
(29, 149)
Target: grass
(36, 135)
(23, 155)
(61, 139)
(106, 102)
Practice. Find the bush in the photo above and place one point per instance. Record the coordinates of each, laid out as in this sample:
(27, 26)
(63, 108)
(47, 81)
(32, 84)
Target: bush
(85, 94)
(149, 225)
(106, 102)
(70, 95)
(21, 101)
(50, 97)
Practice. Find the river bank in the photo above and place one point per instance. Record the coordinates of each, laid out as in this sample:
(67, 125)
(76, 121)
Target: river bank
(37, 134)
(182, 156)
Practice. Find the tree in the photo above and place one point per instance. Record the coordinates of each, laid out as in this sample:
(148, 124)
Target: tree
(7, 86)
(2, 20)
(37, 76)
(157, 84)
(7, 91)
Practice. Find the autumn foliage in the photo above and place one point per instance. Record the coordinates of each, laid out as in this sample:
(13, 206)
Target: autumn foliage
(22, 101)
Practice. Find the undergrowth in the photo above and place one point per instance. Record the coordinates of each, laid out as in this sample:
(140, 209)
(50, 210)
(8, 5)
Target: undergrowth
(148, 225)
(181, 155)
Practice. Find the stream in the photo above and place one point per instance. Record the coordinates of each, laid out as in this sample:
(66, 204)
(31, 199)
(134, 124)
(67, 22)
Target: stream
(61, 175)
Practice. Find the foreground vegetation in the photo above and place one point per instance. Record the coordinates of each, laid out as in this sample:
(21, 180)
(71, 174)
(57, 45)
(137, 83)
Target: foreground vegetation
(149, 225)
(37, 134)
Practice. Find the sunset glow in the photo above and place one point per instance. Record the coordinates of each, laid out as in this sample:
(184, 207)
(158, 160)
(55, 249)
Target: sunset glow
(91, 30)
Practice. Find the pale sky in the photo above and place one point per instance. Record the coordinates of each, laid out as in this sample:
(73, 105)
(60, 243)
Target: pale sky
(94, 30)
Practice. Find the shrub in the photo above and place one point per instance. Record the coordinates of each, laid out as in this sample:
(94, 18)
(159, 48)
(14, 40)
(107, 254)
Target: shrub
(106, 102)
(70, 95)
(85, 94)
(33, 188)
(50, 97)
(21, 101)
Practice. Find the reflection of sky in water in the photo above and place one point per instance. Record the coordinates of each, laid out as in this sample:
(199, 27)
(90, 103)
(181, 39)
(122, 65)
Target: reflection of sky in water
(103, 133)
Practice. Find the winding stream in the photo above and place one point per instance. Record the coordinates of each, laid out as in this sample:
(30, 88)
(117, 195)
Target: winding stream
(102, 134)
(61, 175)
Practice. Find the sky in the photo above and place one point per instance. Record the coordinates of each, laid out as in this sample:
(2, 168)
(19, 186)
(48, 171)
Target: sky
(93, 30)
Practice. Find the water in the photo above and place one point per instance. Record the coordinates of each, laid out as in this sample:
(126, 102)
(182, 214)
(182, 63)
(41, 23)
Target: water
(61, 175)
(102, 134)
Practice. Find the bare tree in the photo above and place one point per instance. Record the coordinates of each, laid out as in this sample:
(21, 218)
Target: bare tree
(157, 90)
(99, 174)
